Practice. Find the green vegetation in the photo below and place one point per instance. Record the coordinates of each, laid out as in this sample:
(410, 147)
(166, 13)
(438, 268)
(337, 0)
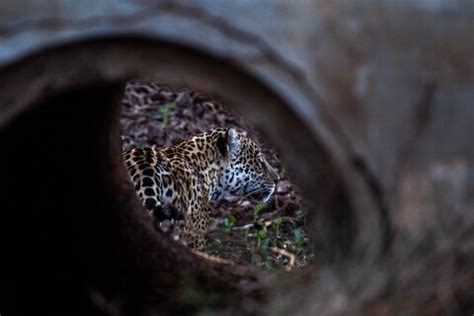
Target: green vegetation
(256, 210)
(229, 222)
(165, 111)
(270, 244)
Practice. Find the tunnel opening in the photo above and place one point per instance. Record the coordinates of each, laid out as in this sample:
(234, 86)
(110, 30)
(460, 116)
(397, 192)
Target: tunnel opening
(54, 173)
(95, 239)
(271, 234)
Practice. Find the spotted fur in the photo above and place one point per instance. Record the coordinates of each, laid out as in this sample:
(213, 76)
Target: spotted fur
(176, 183)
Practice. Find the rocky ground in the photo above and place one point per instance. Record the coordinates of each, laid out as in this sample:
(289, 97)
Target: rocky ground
(272, 236)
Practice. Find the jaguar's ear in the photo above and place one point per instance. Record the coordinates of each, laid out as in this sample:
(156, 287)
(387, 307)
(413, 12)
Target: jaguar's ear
(222, 145)
(229, 142)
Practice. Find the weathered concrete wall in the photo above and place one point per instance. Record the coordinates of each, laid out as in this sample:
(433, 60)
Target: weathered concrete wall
(366, 65)
(387, 88)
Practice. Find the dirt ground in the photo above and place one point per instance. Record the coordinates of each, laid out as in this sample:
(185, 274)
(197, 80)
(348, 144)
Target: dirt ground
(271, 236)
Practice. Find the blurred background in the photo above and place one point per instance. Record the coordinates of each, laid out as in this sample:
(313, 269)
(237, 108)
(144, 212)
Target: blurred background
(369, 105)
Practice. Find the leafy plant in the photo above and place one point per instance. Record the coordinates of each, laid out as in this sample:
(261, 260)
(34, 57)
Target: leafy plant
(276, 226)
(229, 222)
(300, 240)
(298, 235)
(257, 208)
(261, 238)
(165, 109)
(301, 216)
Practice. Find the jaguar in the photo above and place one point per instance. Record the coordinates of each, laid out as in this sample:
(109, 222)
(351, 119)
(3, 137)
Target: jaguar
(176, 183)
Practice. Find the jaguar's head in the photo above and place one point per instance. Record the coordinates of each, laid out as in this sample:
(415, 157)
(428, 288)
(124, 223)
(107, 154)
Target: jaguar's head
(246, 171)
